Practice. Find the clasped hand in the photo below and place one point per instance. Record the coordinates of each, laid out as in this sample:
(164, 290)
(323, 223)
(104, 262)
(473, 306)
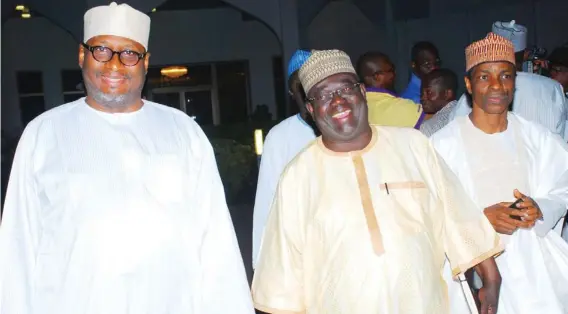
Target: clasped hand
(499, 215)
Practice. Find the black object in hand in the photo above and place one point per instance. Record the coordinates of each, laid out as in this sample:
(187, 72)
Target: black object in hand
(514, 205)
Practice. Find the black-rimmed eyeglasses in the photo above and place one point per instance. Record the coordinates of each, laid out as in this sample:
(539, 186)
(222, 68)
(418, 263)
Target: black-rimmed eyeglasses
(104, 54)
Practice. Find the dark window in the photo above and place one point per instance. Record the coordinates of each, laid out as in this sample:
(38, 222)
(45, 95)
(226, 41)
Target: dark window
(167, 99)
(30, 88)
(198, 105)
(280, 87)
(72, 97)
(232, 85)
(72, 80)
(30, 82)
(31, 107)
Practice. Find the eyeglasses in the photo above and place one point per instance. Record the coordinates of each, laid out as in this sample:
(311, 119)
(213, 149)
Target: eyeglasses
(349, 90)
(104, 54)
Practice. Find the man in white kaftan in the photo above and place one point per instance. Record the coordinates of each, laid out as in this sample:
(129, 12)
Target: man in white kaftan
(521, 156)
(115, 204)
(284, 141)
(537, 98)
(366, 229)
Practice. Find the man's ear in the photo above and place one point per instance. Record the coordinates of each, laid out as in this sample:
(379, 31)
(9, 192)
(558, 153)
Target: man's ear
(363, 90)
(146, 62)
(310, 109)
(81, 55)
(468, 85)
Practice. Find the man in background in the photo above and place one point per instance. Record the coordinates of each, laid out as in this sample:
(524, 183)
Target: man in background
(284, 141)
(537, 98)
(424, 59)
(385, 108)
(558, 66)
(438, 92)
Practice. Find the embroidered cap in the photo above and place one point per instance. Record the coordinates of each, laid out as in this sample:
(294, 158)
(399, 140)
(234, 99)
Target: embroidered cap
(323, 64)
(117, 20)
(297, 60)
(492, 48)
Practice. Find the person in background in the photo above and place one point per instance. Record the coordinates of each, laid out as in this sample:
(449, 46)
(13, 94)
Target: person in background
(438, 92)
(284, 141)
(364, 216)
(378, 74)
(537, 98)
(424, 58)
(114, 203)
(499, 158)
(558, 66)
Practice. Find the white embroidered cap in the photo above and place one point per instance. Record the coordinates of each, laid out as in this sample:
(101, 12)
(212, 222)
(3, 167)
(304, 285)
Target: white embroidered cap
(512, 31)
(117, 20)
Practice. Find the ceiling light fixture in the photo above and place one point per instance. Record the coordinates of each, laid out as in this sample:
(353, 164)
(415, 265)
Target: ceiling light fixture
(20, 7)
(26, 13)
(174, 72)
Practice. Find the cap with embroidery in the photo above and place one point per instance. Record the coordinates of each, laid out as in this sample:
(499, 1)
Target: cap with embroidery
(117, 20)
(297, 60)
(514, 32)
(492, 48)
(323, 64)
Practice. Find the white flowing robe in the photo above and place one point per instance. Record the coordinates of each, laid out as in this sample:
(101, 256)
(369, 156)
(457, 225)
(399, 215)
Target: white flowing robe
(534, 266)
(284, 141)
(118, 214)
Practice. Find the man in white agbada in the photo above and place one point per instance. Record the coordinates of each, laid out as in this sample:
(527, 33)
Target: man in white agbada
(284, 141)
(537, 98)
(115, 204)
(500, 157)
(363, 217)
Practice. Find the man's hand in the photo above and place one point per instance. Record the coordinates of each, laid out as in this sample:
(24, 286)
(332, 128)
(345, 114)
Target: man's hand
(489, 299)
(499, 215)
(530, 209)
(489, 293)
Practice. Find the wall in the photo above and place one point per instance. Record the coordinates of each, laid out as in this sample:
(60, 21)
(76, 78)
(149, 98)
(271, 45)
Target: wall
(343, 26)
(176, 37)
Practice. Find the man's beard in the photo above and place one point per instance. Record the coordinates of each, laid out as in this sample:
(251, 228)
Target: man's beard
(114, 102)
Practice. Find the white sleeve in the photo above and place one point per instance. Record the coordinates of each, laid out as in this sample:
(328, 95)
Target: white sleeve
(224, 282)
(20, 231)
(268, 176)
(553, 167)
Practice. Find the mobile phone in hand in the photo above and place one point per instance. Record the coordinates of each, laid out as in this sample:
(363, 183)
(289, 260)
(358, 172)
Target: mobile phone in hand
(514, 205)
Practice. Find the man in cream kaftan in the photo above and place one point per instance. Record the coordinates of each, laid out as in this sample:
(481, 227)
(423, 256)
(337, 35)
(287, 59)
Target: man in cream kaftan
(366, 231)
(534, 265)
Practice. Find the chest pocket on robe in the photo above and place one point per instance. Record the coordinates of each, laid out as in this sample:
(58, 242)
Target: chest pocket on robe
(410, 200)
(165, 178)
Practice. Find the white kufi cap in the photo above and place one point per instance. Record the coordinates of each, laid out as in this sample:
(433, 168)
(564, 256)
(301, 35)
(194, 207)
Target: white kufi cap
(516, 33)
(117, 20)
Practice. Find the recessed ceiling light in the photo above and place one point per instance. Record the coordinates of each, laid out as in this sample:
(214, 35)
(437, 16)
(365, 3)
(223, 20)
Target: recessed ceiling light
(20, 7)
(154, 10)
(26, 15)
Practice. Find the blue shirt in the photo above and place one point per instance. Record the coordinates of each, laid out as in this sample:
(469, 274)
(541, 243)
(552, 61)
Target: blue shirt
(412, 91)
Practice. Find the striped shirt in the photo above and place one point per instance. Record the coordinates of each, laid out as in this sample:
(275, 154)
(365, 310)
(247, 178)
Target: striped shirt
(439, 120)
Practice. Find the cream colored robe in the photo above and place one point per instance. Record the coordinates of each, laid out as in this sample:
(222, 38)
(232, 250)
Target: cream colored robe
(368, 231)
